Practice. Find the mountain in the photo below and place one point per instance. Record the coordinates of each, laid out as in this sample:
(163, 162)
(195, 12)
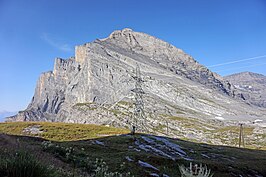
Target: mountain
(4, 114)
(252, 85)
(99, 85)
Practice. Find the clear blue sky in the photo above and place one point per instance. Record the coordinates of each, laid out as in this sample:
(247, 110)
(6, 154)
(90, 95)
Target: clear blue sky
(33, 33)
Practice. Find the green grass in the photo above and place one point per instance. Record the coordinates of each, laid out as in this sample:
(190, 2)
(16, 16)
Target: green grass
(235, 129)
(82, 104)
(190, 122)
(126, 103)
(87, 106)
(62, 131)
(22, 164)
(176, 118)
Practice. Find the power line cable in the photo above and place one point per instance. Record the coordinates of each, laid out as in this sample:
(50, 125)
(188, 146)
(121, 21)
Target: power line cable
(250, 66)
(237, 61)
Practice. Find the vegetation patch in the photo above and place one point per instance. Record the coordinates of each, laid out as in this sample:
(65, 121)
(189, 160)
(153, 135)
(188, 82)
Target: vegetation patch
(126, 103)
(61, 131)
(22, 164)
(83, 104)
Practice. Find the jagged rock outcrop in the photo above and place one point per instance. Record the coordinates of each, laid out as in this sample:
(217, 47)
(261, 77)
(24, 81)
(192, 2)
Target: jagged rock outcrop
(252, 86)
(96, 85)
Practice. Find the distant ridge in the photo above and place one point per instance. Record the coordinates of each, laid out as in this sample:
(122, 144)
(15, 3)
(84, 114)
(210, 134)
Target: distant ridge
(252, 85)
(4, 114)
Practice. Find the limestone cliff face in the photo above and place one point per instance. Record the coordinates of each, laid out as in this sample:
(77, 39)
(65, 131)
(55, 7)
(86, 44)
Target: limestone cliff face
(161, 54)
(95, 85)
(51, 87)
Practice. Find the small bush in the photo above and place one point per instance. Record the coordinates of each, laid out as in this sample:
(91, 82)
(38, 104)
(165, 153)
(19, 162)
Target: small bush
(23, 164)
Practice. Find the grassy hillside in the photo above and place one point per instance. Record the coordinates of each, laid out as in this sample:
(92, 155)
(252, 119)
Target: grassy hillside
(88, 150)
(57, 131)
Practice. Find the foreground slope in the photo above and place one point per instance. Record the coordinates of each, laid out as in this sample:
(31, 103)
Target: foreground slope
(142, 155)
(96, 86)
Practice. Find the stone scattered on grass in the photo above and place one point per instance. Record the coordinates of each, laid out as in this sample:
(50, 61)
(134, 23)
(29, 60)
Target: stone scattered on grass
(99, 142)
(154, 174)
(147, 165)
(129, 159)
(34, 130)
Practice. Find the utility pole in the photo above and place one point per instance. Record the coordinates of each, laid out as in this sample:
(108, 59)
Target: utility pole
(241, 136)
(139, 118)
(167, 124)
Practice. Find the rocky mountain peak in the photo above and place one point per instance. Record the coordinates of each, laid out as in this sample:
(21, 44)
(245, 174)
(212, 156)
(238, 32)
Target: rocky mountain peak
(118, 33)
(247, 76)
(252, 86)
(141, 42)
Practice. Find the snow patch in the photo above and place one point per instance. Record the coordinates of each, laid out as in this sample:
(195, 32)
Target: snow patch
(258, 121)
(219, 118)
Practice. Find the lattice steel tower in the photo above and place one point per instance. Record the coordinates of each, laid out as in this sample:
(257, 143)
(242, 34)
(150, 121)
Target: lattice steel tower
(139, 118)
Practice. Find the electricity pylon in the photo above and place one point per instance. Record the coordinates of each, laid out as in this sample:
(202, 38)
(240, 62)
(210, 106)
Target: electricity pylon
(241, 136)
(167, 124)
(139, 118)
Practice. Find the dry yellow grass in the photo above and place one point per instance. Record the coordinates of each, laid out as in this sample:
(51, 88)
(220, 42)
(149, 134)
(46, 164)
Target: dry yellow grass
(62, 131)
